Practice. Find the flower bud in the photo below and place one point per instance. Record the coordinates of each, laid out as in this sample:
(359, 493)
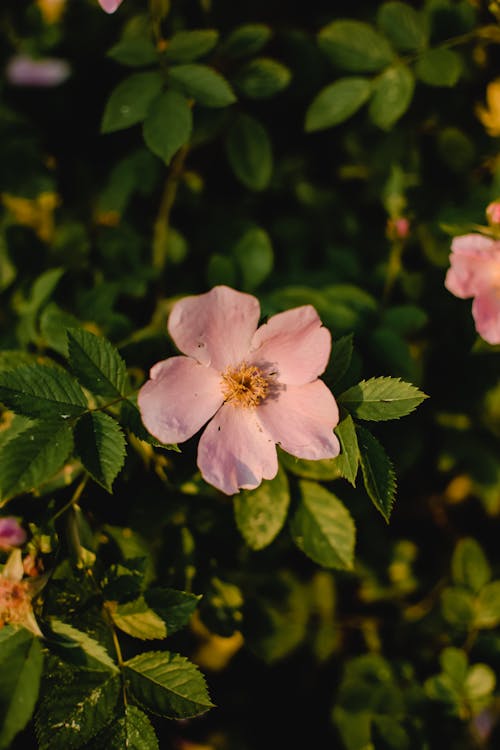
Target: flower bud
(493, 213)
(12, 533)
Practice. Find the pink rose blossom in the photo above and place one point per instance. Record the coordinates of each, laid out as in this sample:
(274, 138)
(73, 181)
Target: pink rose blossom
(22, 70)
(12, 533)
(258, 386)
(475, 272)
(110, 5)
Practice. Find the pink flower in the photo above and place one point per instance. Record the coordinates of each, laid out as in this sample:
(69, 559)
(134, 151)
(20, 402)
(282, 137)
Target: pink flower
(12, 533)
(110, 5)
(258, 387)
(22, 70)
(475, 272)
(398, 229)
(16, 594)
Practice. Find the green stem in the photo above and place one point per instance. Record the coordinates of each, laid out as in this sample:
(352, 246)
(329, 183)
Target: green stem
(162, 223)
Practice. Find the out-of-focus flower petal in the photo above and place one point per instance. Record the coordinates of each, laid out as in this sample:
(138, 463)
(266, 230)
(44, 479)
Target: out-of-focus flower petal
(475, 265)
(12, 533)
(110, 5)
(215, 328)
(22, 70)
(235, 451)
(301, 420)
(13, 568)
(179, 398)
(294, 344)
(486, 314)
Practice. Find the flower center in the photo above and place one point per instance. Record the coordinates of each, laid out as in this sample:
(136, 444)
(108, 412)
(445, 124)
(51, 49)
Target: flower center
(245, 385)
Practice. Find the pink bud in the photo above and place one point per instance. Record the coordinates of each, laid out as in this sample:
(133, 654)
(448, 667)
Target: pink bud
(493, 213)
(110, 5)
(12, 533)
(398, 229)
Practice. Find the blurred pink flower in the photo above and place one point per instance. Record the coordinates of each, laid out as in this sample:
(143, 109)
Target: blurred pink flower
(16, 595)
(475, 272)
(398, 229)
(12, 533)
(23, 70)
(110, 5)
(258, 387)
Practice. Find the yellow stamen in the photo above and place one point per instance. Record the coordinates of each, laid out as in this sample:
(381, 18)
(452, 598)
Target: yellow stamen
(245, 385)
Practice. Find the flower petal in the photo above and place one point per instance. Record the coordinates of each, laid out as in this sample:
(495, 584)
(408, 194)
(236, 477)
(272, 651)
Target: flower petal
(475, 265)
(235, 451)
(301, 419)
(180, 397)
(215, 328)
(110, 5)
(486, 314)
(294, 344)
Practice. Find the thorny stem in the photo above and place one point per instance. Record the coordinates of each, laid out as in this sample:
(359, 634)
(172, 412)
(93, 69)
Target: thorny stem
(162, 223)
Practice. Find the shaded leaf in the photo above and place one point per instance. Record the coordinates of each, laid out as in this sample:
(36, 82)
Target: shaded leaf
(469, 565)
(261, 513)
(174, 607)
(262, 78)
(130, 101)
(187, 45)
(246, 40)
(204, 84)
(392, 95)
(40, 391)
(168, 125)
(139, 620)
(134, 51)
(337, 102)
(96, 363)
(378, 472)
(167, 684)
(340, 358)
(132, 730)
(21, 661)
(406, 28)
(439, 67)
(323, 528)
(33, 457)
(95, 655)
(100, 444)
(355, 46)
(348, 460)
(249, 152)
(254, 253)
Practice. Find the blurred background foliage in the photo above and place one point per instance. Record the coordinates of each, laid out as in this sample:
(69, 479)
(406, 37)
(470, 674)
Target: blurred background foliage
(315, 153)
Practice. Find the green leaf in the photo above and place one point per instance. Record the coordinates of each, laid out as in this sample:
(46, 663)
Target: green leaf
(40, 293)
(457, 606)
(261, 513)
(130, 101)
(134, 51)
(100, 444)
(488, 606)
(94, 654)
(254, 253)
(21, 661)
(168, 125)
(439, 67)
(323, 469)
(249, 152)
(406, 28)
(405, 319)
(40, 391)
(96, 363)
(380, 399)
(454, 663)
(185, 46)
(469, 565)
(132, 731)
(246, 40)
(323, 528)
(340, 358)
(75, 706)
(139, 620)
(337, 102)
(262, 78)
(167, 684)
(355, 46)
(378, 473)
(392, 95)
(33, 457)
(348, 460)
(174, 607)
(54, 323)
(204, 84)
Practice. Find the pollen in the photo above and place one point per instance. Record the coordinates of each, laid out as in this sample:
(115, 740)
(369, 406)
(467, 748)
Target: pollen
(245, 385)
